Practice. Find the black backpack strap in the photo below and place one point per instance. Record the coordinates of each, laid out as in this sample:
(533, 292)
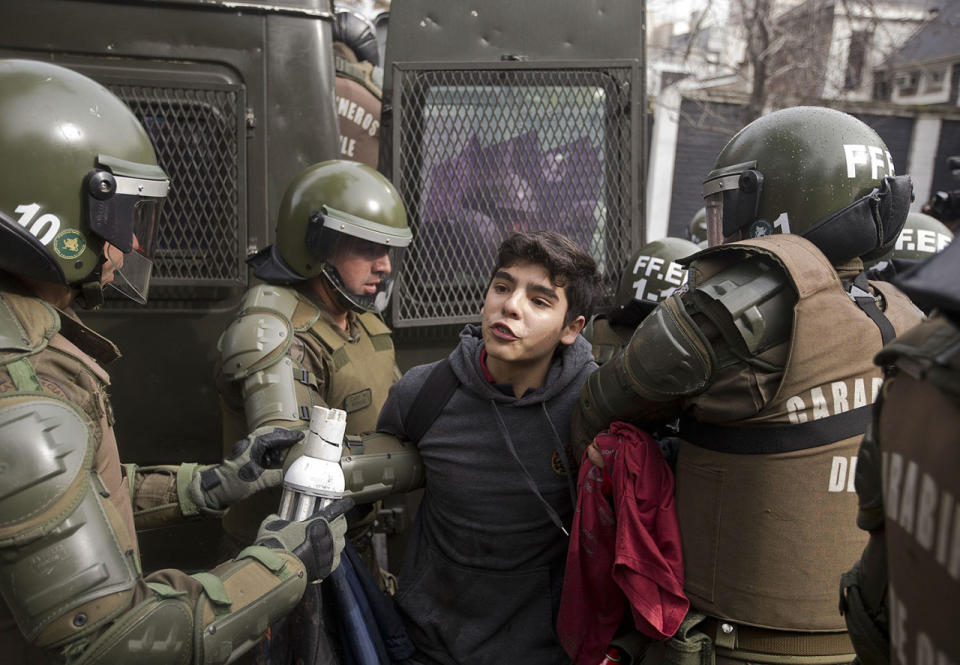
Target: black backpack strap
(860, 293)
(434, 394)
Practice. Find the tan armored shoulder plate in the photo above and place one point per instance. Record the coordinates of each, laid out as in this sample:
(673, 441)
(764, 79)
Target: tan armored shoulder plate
(63, 553)
(280, 299)
(262, 333)
(26, 325)
(283, 301)
(748, 295)
(47, 446)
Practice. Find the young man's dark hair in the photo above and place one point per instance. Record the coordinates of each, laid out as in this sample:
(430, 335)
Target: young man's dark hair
(485, 559)
(566, 262)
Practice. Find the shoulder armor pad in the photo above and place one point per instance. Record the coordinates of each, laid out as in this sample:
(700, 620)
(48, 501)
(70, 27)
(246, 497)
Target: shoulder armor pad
(74, 563)
(63, 545)
(26, 325)
(750, 300)
(280, 299)
(257, 339)
(44, 447)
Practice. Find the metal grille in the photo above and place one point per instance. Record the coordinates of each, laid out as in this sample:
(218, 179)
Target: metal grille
(480, 153)
(197, 136)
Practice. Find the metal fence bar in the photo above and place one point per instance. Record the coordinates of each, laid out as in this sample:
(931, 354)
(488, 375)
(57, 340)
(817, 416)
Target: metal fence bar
(197, 136)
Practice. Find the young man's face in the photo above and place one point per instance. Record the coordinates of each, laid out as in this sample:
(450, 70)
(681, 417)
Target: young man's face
(522, 315)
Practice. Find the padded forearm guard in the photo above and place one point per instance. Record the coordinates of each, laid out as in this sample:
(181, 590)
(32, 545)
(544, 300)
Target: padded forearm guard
(667, 358)
(387, 466)
(208, 619)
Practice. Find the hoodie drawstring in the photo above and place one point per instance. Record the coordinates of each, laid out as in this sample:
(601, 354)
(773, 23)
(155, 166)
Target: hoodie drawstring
(562, 453)
(531, 483)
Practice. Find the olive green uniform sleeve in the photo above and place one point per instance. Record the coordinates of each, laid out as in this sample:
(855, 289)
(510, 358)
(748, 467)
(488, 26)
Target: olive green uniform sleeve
(159, 494)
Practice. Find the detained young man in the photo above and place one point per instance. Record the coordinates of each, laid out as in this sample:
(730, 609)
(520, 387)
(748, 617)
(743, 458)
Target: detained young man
(481, 576)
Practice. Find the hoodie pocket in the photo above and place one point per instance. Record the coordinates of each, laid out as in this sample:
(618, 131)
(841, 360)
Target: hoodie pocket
(475, 616)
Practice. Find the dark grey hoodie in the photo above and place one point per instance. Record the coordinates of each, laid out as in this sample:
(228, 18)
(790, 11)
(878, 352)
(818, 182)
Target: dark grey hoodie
(481, 577)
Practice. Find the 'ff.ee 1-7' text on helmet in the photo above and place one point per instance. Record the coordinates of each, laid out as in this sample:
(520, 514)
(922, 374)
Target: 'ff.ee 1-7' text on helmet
(651, 275)
(811, 171)
(79, 171)
(334, 216)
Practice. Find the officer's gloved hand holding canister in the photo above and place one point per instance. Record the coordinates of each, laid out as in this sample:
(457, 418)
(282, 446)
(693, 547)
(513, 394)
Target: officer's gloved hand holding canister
(317, 541)
(255, 464)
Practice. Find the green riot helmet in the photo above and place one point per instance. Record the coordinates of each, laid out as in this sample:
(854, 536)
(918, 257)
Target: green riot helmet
(697, 232)
(651, 275)
(922, 237)
(80, 171)
(345, 221)
(811, 171)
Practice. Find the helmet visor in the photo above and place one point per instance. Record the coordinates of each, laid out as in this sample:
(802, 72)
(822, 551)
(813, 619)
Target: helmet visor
(739, 191)
(132, 270)
(116, 207)
(714, 206)
(364, 272)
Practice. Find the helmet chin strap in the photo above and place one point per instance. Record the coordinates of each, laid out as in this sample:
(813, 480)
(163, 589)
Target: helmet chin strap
(91, 294)
(346, 303)
(91, 291)
(332, 296)
(335, 282)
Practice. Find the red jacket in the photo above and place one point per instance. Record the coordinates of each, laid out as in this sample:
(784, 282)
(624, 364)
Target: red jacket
(624, 548)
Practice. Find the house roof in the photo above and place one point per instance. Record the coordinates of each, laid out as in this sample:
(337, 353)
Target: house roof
(936, 39)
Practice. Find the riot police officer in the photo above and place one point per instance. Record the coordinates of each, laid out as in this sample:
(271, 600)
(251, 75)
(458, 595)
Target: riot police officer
(766, 355)
(651, 275)
(312, 333)
(359, 79)
(697, 230)
(922, 237)
(900, 600)
(79, 198)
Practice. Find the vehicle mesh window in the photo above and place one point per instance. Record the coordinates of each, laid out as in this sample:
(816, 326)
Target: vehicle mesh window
(480, 153)
(197, 136)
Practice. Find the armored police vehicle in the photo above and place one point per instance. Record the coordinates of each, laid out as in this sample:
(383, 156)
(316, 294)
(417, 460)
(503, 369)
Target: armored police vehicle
(497, 116)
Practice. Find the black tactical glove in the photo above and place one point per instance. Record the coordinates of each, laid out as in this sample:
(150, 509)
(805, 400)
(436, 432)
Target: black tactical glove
(317, 541)
(245, 472)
